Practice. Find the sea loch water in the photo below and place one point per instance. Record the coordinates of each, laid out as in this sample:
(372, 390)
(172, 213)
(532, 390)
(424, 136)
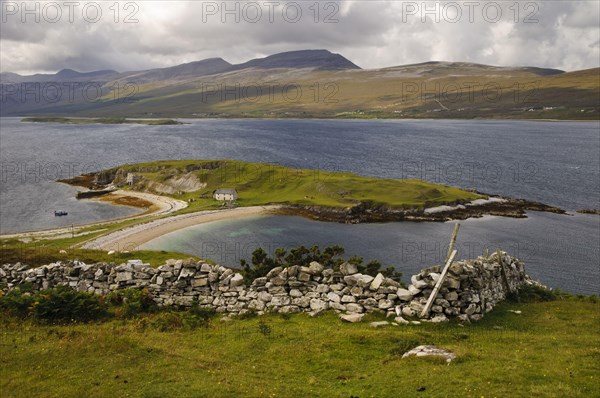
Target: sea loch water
(553, 162)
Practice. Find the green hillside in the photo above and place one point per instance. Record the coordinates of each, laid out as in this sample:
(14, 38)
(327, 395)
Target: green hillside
(429, 90)
(259, 184)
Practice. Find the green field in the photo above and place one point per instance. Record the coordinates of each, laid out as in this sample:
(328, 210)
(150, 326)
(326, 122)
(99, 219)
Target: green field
(262, 184)
(550, 350)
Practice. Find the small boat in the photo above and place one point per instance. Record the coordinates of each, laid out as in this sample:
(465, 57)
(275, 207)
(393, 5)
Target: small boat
(59, 213)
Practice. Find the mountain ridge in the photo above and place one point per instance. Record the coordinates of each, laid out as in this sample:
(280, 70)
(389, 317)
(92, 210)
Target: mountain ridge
(313, 84)
(298, 59)
(316, 59)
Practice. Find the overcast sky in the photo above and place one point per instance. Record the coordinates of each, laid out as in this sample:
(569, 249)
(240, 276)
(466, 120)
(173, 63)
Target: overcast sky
(93, 35)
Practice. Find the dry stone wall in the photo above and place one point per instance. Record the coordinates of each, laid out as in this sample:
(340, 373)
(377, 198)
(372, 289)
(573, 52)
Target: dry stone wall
(471, 288)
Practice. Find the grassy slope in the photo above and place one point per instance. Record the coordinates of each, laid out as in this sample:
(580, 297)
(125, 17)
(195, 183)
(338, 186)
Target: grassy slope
(384, 93)
(260, 184)
(551, 350)
(37, 254)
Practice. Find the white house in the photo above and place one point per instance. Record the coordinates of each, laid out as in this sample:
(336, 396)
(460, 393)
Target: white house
(225, 194)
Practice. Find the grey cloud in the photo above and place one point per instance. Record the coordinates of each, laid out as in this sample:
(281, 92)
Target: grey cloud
(370, 33)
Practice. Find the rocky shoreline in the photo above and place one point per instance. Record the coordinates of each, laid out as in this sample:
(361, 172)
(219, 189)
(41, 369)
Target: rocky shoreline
(589, 211)
(88, 181)
(365, 212)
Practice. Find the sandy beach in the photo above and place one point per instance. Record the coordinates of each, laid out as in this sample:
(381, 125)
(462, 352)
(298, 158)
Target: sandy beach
(131, 238)
(161, 205)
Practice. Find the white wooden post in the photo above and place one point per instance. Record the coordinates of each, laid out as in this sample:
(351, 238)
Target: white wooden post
(438, 285)
(452, 241)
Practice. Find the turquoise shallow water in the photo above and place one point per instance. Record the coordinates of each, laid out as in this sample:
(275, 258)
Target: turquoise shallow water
(544, 241)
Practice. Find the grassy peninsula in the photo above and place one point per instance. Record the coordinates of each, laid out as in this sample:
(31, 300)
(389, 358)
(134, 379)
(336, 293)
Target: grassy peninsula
(262, 184)
(318, 194)
(103, 120)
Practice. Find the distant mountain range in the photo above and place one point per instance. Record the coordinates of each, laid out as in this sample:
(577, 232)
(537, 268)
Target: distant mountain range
(307, 83)
(314, 59)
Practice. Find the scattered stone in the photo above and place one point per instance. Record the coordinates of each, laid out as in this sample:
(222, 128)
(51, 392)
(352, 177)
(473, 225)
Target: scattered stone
(378, 324)
(196, 283)
(377, 282)
(470, 310)
(318, 305)
(439, 318)
(352, 318)
(429, 350)
(315, 268)
(278, 281)
(353, 307)
(409, 312)
(334, 297)
(275, 271)
(348, 299)
(451, 283)
(451, 296)
(348, 268)
(303, 277)
(414, 290)
(404, 294)
(464, 318)
(385, 304)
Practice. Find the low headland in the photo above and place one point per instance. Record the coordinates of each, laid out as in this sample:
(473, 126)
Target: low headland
(589, 211)
(317, 194)
(103, 120)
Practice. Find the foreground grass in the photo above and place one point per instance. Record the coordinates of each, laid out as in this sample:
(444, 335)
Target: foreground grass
(104, 120)
(48, 251)
(551, 350)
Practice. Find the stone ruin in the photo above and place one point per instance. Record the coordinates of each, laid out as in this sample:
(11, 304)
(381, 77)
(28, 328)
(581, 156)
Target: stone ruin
(471, 287)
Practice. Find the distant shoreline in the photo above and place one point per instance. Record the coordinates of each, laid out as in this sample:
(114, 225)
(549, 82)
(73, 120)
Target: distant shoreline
(140, 119)
(112, 120)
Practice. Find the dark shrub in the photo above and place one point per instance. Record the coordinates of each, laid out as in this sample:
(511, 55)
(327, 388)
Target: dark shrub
(131, 302)
(330, 257)
(57, 305)
(17, 302)
(533, 293)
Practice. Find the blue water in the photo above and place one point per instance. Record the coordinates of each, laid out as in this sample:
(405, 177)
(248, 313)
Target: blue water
(555, 163)
(560, 253)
